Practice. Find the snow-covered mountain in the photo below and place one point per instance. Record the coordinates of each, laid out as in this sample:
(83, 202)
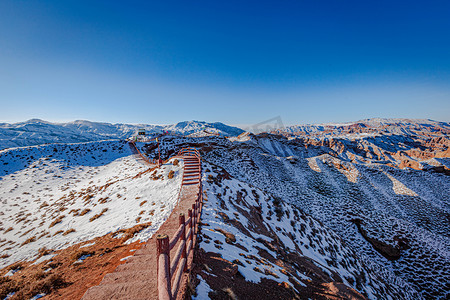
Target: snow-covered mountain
(37, 132)
(261, 246)
(394, 217)
(355, 211)
(367, 127)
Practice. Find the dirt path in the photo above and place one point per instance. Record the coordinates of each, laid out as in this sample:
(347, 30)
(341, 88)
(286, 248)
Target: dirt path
(137, 277)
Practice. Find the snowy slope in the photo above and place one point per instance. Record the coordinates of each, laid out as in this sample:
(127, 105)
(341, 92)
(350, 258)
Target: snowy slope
(274, 244)
(404, 213)
(36, 132)
(367, 127)
(355, 209)
(58, 195)
(395, 219)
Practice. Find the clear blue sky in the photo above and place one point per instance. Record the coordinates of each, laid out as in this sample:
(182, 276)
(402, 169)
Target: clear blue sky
(238, 62)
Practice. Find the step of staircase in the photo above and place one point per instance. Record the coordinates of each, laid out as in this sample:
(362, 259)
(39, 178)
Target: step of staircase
(191, 183)
(191, 174)
(191, 171)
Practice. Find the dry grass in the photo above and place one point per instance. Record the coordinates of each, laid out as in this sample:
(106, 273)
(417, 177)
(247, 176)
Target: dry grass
(43, 205)
(80, 253)
(6, 286)
(26, 232)
(29, 240)
(69, 231)
(269, 272)
(26, 289)
(43, 234)
(98, 215)
(229, 237)
(44, 251)
(16, 266)
(58, 232)
(32, 279)
(103, 200)
(143, 202)
(75, 212)
(230, 293)
(56, 221)
(84, 211)
(9, 229)
(130, 232)
(88, 197)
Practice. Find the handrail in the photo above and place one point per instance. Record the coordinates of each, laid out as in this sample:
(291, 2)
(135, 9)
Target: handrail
(146, 159)
(170, 270)
(189, 151)
(186, 153)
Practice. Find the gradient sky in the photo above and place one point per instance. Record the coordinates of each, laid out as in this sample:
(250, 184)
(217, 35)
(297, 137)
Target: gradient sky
(237, 62)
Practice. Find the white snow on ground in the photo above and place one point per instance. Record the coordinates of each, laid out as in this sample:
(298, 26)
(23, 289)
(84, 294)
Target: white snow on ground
(298, 232)
(231, 252)
(312, 163)
(54, 196)
(399, 188)
(409, 204)
(202, 290)
(44, 258)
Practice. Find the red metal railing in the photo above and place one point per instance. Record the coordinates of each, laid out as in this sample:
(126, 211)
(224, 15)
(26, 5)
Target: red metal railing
(145, 158)
(170, 271)
(189, 152)
(187, 173)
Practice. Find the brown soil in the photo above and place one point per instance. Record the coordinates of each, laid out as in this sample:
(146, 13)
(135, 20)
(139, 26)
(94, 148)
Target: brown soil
(226, 282)
(61, 277)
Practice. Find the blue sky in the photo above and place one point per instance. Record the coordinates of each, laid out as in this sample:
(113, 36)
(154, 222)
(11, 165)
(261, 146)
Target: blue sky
(237, 62)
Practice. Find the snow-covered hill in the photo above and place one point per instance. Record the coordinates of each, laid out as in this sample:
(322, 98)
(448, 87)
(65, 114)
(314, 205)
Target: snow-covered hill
(54, 196)
(367, 127)
(357, 211)
(37, 132)
(396, 219)
(257, 246)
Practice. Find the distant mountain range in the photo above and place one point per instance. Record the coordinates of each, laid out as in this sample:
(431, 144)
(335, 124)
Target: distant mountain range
(304, 211)
(367, 126)
(37, 132)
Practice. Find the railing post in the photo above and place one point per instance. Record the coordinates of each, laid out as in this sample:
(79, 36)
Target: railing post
(190, 223)
(163, 267)
(197, 204)
(194, 217)
(183, 239)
